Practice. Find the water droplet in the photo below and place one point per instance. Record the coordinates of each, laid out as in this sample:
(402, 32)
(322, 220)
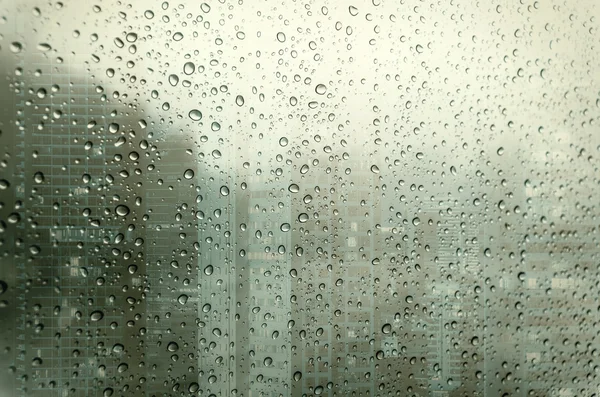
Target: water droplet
(208, 270)
(293, 188)
(387, 328)
(281, 37)
(96, 315)
(44, 47)
(118, 348)
(297, 376)
(16, 47)
(3, 287)
(239, 100)
(195, 115)
(379, 355)
(38, 177)
(285, 227)
(182, 299)
(172, 347)
(173, 80)
(189, 68)
(283, 141)
(303, 217)
(122, 210)
(307, 199)
(37, 361)
(321, 89)
(374, 169)
(224, 190)
(188, 174)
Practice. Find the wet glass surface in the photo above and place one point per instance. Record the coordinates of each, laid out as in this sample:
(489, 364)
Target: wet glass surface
(285, 198)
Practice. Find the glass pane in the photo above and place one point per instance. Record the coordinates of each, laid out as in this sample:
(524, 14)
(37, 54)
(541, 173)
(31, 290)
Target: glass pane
(284, 198)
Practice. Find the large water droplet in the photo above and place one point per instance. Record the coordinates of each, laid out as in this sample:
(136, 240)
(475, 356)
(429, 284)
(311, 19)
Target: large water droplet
(172, 347)
(122, 210)
(189, 68)
(195, 115)
(16, 47)
(96, 315)
(173, 79)
(182, 299)
(321, 89)
(188, 174)
(38, 177)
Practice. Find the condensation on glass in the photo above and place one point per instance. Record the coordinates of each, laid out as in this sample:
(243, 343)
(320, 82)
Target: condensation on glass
(287, 198)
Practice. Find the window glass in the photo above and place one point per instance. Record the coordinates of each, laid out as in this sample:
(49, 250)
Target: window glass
(297, 198)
